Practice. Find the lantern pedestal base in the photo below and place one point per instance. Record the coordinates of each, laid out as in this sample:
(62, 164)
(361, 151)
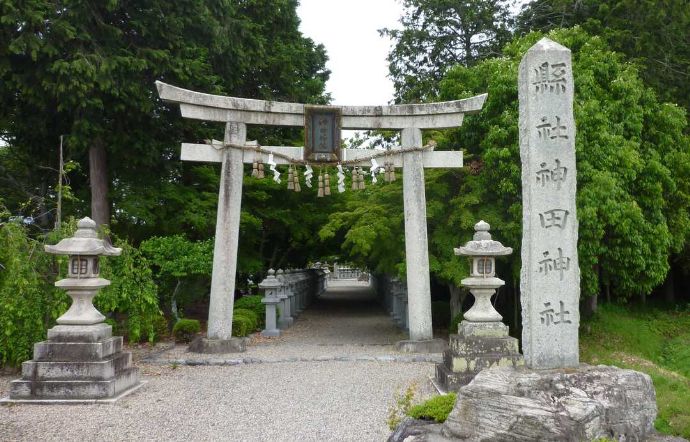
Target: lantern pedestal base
(478, 345)
(218, 346)
(76, 363)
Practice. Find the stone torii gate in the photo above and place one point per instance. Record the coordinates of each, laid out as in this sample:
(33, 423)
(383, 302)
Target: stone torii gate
(237, 113)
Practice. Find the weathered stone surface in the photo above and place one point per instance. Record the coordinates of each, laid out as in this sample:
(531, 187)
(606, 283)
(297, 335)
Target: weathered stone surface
(477, 346)
(98, 370)
(550, 275)
(70, 372)
(220, 108)
(75, 389)
(77, 351)
(416, 242)
(232, 345)
(426, 346)
(227, 236)
(576, 404)
(80, 333)
(417, 430)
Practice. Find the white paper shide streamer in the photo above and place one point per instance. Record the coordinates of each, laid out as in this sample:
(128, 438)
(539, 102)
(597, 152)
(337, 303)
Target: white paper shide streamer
(341, 179)
(272, 166)
(374, 168)
(308, 174)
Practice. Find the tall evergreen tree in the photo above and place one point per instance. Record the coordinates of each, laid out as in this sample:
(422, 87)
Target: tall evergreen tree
(655, 33)
(438, 34)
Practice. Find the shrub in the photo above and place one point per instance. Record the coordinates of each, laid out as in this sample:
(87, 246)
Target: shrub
(161, 328)
(437, 408)
(131, 293)
(254, 304)
(241, 326)
(249, 314)
(244, 322)
(29, 303)
(440, 314)
(185, 330)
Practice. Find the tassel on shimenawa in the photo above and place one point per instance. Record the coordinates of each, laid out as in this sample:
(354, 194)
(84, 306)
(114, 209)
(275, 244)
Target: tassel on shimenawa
(320, 193)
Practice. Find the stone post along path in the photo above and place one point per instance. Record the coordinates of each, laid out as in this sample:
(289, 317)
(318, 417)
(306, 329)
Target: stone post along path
(550, 276)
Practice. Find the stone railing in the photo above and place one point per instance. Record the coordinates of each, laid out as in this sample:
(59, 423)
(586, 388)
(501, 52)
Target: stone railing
(347, 272)
(392, 294)
(287, 293)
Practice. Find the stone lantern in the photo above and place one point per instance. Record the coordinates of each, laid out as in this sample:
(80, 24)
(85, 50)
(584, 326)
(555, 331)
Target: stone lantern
(482, 282)
(482, 340)
(83, 281)
(81, 362)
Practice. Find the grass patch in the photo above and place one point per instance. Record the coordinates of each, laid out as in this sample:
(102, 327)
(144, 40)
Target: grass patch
(650, 340)
(437, 408)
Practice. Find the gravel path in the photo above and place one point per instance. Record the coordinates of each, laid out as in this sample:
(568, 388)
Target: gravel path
(337, 390)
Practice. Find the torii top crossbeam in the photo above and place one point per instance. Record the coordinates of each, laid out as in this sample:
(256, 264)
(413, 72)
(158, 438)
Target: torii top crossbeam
(200, 106)
(237, 113)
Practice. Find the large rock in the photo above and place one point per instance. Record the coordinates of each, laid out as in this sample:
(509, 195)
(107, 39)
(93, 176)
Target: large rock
(584, 403)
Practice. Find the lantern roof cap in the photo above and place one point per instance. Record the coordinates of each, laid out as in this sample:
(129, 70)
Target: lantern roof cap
(482, 244)
(85, 241)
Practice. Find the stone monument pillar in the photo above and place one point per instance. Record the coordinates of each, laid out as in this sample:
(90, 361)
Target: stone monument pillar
(550, 275)
(482, 340)
(81, 361)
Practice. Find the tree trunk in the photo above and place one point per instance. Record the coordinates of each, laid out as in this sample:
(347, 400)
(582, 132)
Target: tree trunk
(98, 177)
(592, 303)
(669, 288)
(173, 302)
(455, 300)
(607, 288)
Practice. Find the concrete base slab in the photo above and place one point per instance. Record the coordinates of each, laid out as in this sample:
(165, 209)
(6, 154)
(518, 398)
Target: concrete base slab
(217, 346)
(112, 400)
(270, 333)
(428, 346)
(75, 388)
(77, 351)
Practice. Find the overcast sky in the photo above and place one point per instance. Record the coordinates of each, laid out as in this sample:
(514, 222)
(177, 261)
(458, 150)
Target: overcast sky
(356, 52)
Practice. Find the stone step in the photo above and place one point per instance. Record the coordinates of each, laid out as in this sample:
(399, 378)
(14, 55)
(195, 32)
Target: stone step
(77, 351)
(450, 381)
(67, 370)
(473, 363)
(472, 345)
(82, 389)
(80, 333)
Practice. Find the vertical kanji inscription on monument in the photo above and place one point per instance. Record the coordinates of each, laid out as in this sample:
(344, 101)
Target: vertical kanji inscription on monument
(550, 276)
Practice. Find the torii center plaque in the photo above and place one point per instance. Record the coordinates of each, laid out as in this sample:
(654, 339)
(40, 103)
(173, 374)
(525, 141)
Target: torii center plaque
(322, 133)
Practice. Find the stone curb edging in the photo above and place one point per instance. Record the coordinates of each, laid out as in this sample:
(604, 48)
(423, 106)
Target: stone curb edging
(433, 358)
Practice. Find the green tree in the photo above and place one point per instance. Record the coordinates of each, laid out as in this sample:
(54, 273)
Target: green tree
(88, 69)
(633, 187)
(654, 33)
(437, 34)
(176, 260)
(632, 183)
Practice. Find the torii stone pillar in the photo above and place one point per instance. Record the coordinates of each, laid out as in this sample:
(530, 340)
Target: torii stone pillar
(416, 242)
(238, 112)
(227, 235)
